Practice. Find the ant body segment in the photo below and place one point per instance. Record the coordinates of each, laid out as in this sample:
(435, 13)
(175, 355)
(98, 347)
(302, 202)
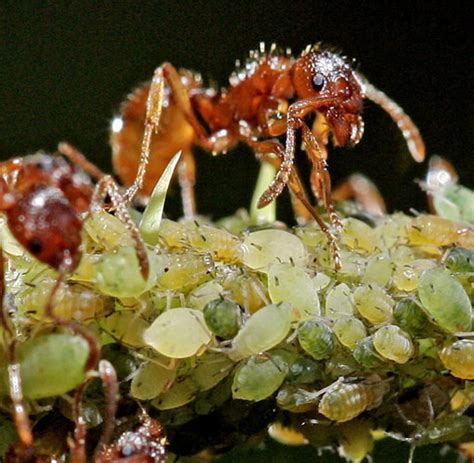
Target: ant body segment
(268, 98)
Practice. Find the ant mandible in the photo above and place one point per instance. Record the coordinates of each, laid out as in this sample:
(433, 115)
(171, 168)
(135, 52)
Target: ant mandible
(272, 95)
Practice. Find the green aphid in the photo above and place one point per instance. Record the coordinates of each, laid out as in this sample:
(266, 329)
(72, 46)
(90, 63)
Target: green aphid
(222, 317)
(460, 260)
(366, 355)
(409, 316)
(445, 300)
(317, 339)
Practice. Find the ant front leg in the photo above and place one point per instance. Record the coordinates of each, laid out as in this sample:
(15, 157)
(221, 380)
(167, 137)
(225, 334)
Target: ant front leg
(265, 149)
(108, 186)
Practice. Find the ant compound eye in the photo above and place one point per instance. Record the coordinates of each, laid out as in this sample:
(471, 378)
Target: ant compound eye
(35, 246)
(318, 81)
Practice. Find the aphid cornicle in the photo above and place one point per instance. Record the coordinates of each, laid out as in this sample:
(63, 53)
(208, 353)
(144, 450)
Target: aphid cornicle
(270, 96)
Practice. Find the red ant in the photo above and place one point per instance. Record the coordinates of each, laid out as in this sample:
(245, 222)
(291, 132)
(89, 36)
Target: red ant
(43, 198)
(270, 96)
(146, 444)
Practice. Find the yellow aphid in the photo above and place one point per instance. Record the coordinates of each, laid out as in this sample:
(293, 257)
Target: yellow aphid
(286, 435)
(356, 441)
(373, 303)
(343, 401)
(435, 231)
(184, 270)
(245, 289)
(71, 301)
(459, 358)
(358, 235)
(393, 343)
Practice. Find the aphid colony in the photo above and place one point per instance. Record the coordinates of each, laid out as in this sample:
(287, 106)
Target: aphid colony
(260, 315)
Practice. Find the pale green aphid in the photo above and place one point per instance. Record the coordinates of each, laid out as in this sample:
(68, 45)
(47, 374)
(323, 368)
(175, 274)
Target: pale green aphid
(459, 358)
(349, 331)
(259, 377)
(207, 292)
(107, 231)
(266, 247)
(373, 303)
(211, 369)
(455, 202)
(52, 364)
(119, 273)
(365, 353)
(287, 283)
(445, 300)
(151, 380)
(393, 343)
(180, 393)
(125, 326)
(358, 235)
(178, 333)
(379, 270)
(262, 331)
(339, 302)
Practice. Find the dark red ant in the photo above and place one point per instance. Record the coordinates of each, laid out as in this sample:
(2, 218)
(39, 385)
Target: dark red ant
(270, 96)
(146, 444)
(43, 198)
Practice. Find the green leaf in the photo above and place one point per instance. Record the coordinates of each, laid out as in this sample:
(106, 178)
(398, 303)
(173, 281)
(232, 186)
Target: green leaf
(153, 213)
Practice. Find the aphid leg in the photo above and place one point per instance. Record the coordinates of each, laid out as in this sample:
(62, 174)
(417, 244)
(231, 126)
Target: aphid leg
(78, 158)
(409, 130)
(320, 178)
(364, 192)
(108, 186)
(187, 180)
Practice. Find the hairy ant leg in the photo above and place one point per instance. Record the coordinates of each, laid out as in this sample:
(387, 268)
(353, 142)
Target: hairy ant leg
(320, 178)
(271, 151)
(108, 376)
(154, 106)
(78, 158)
(107, 186)
(265, 149)
(20, 415)
(409, 130)
(186, 167)
(296, 112)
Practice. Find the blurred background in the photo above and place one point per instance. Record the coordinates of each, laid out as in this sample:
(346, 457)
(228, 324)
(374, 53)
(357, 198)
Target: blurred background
(66, 66)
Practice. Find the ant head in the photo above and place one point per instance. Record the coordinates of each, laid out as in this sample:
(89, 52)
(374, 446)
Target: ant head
(326, 75)
(46, 224)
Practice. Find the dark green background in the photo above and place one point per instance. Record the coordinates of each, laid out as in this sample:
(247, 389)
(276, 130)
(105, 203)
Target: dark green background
(65, 67)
